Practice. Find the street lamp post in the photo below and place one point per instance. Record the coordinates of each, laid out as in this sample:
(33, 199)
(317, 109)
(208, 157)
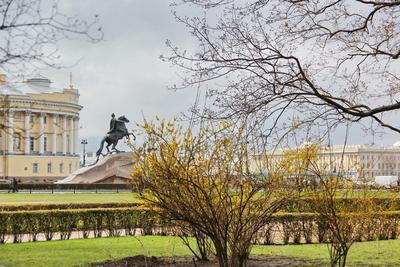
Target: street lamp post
(84, 143)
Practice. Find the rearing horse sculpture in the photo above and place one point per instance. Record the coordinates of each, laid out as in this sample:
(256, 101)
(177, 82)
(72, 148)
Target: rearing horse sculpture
(119, 131)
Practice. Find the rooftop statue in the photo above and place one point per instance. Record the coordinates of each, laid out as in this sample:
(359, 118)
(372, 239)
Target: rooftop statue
(117, 131)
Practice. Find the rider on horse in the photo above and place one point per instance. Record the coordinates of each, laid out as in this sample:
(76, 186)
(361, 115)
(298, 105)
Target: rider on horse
(112, 124)
(117, 131)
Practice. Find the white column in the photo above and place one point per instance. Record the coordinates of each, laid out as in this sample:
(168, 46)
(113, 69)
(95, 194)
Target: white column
(27, 132)
(41, 133)
(71, 135)
(76, 136)
(64, 135)
(10, 130)
(54, 142)
(3, 133)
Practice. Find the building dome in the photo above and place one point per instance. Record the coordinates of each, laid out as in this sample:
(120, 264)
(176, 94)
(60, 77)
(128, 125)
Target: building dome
(36, 85)
(39, 81)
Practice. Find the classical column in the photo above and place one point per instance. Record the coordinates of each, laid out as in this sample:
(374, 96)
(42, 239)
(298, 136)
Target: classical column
(64, 135)
(27, 132)
(76, 134)
(41, 133)
(10, 130)
(54, 143)
(71, 135)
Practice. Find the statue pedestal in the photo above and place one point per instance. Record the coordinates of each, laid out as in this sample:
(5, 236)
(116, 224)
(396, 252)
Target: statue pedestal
(112, 169)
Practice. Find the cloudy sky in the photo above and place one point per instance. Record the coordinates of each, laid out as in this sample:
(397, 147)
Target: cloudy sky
(123, 73)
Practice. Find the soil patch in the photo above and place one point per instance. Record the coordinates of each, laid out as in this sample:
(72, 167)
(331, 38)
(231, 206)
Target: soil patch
(142, 261)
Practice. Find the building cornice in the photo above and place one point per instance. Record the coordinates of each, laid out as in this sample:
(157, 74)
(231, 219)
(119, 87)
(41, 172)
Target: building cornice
(53, 112)
(44, 102)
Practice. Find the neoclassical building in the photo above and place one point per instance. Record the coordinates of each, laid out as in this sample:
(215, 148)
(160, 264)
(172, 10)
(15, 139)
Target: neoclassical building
(355, 161)
(39, 130)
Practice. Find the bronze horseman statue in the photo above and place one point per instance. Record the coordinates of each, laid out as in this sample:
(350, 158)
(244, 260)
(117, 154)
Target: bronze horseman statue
(117, 131)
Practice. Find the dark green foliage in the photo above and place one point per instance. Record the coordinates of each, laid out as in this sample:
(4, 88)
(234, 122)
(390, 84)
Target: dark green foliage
(297, 227)
(69, 187)
(67, 206)
(64, 222)
(305, 204)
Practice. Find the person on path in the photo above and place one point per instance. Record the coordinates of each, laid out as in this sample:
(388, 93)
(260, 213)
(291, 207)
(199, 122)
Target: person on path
(13, 186)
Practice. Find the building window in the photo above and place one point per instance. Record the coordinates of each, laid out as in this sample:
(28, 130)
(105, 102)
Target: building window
(70, 167)
(61, 168)
(32, 143)
(31, 118)
(35, 167)
(49, 167)
(16, 143)
(45, 119)
(17, 116)
(45, 143)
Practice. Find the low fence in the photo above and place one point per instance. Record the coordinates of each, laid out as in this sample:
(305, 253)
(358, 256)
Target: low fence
(70, 188)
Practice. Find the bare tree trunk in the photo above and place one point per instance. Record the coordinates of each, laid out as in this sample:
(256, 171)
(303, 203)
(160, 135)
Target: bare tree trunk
(343, 258)
(222, 254)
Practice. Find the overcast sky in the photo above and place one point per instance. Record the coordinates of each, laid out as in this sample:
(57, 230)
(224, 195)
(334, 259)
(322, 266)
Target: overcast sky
(123, 74)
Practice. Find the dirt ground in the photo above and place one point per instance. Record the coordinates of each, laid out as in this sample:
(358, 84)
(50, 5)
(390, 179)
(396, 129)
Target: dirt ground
(142, 261)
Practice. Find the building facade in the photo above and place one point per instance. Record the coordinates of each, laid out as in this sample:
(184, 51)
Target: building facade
(358, 162)
(362, 161)
(40, 130)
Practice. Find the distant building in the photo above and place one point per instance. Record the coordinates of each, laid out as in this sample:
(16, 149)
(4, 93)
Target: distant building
(39, 134)
(363, 160)
(358, 161)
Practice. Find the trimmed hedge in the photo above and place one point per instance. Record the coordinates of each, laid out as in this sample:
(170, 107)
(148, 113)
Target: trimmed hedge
(299, 228)
(70, 187)
(68, 206)
(299, 205)
(305, 204)
(295, 227)
(109, 220)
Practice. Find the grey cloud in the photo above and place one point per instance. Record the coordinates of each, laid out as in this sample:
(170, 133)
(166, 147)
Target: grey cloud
(123, 74)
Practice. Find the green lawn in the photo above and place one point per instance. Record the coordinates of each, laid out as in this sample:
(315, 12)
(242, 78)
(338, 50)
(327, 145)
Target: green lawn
(375, 253)
(58, 198)
(82, 251)
(39, 198)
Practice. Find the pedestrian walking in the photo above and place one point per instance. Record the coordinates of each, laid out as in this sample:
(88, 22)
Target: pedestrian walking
(13, 186)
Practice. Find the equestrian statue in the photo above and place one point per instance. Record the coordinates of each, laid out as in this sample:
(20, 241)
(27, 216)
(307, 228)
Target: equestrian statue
(117, 131)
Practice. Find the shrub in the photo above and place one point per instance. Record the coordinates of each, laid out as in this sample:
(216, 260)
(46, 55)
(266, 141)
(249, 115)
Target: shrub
(114, 220)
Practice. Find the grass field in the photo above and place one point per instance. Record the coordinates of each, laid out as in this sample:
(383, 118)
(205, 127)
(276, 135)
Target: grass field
(83, 251)
(47, 198)
(44, 198)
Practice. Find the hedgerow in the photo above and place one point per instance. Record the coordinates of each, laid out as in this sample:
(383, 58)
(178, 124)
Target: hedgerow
(99, 220)
(64, 206)
(296, 227)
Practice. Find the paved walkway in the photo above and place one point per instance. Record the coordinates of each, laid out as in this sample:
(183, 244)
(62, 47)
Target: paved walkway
(74, 235)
